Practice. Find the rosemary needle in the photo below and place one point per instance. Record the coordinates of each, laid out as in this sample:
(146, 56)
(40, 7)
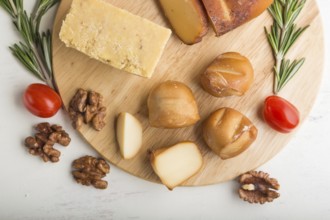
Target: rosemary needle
(34, 52)
(282, 35)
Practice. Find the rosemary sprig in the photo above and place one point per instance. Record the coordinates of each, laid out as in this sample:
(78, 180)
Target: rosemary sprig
(34, 52)
(282, 35)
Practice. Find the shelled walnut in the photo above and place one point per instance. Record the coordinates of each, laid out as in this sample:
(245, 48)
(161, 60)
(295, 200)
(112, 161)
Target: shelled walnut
(87, 107)
(90, 171)
(43, 143)
(258, 187)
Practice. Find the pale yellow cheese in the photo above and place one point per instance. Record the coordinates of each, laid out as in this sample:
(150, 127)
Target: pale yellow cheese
(114, 36)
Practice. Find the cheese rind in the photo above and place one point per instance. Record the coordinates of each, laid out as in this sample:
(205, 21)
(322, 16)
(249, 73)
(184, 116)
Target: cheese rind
(114, 36)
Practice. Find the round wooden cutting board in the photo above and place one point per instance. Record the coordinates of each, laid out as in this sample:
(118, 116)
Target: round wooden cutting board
(124, 92)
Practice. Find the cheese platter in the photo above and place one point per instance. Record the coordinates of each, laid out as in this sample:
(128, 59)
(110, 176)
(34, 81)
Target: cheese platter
(124, 92)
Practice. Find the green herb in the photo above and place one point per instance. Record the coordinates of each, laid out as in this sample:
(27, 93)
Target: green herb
(34, 52)
(283, 34)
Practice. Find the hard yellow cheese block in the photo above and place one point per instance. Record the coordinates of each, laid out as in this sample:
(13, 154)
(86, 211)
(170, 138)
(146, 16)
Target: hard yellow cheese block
(114, 36)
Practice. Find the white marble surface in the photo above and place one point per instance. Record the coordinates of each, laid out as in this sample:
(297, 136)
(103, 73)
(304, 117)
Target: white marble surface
(31, 189)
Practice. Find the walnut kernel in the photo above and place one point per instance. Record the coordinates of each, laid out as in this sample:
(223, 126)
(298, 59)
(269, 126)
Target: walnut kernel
(90, 171)
(87, 107)
(43, 143)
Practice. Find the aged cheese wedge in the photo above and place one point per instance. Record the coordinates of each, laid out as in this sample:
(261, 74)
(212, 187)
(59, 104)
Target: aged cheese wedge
(226, 15)
(114, 36)
(188, 19)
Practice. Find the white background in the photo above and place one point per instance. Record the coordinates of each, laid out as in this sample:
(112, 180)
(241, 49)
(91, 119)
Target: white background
(31, 189)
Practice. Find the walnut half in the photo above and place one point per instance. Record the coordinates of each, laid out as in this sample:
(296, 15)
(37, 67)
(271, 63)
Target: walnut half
(258, 187)
(87, 107)
(90, 171)
(42, 144)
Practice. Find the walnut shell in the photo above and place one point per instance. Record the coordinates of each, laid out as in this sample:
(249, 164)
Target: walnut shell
(228, 132)
(229, 74)
(258, 187)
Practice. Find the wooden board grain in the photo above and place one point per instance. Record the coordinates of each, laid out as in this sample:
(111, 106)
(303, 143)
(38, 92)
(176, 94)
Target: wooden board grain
(126, 92)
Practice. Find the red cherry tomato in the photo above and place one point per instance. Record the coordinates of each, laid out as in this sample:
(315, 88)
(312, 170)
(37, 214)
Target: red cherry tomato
(41, 100)
(280, 114)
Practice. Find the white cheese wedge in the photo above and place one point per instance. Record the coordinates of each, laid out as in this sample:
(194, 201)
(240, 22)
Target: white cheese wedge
(114, 36)
(176, 164)
(129, 135)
